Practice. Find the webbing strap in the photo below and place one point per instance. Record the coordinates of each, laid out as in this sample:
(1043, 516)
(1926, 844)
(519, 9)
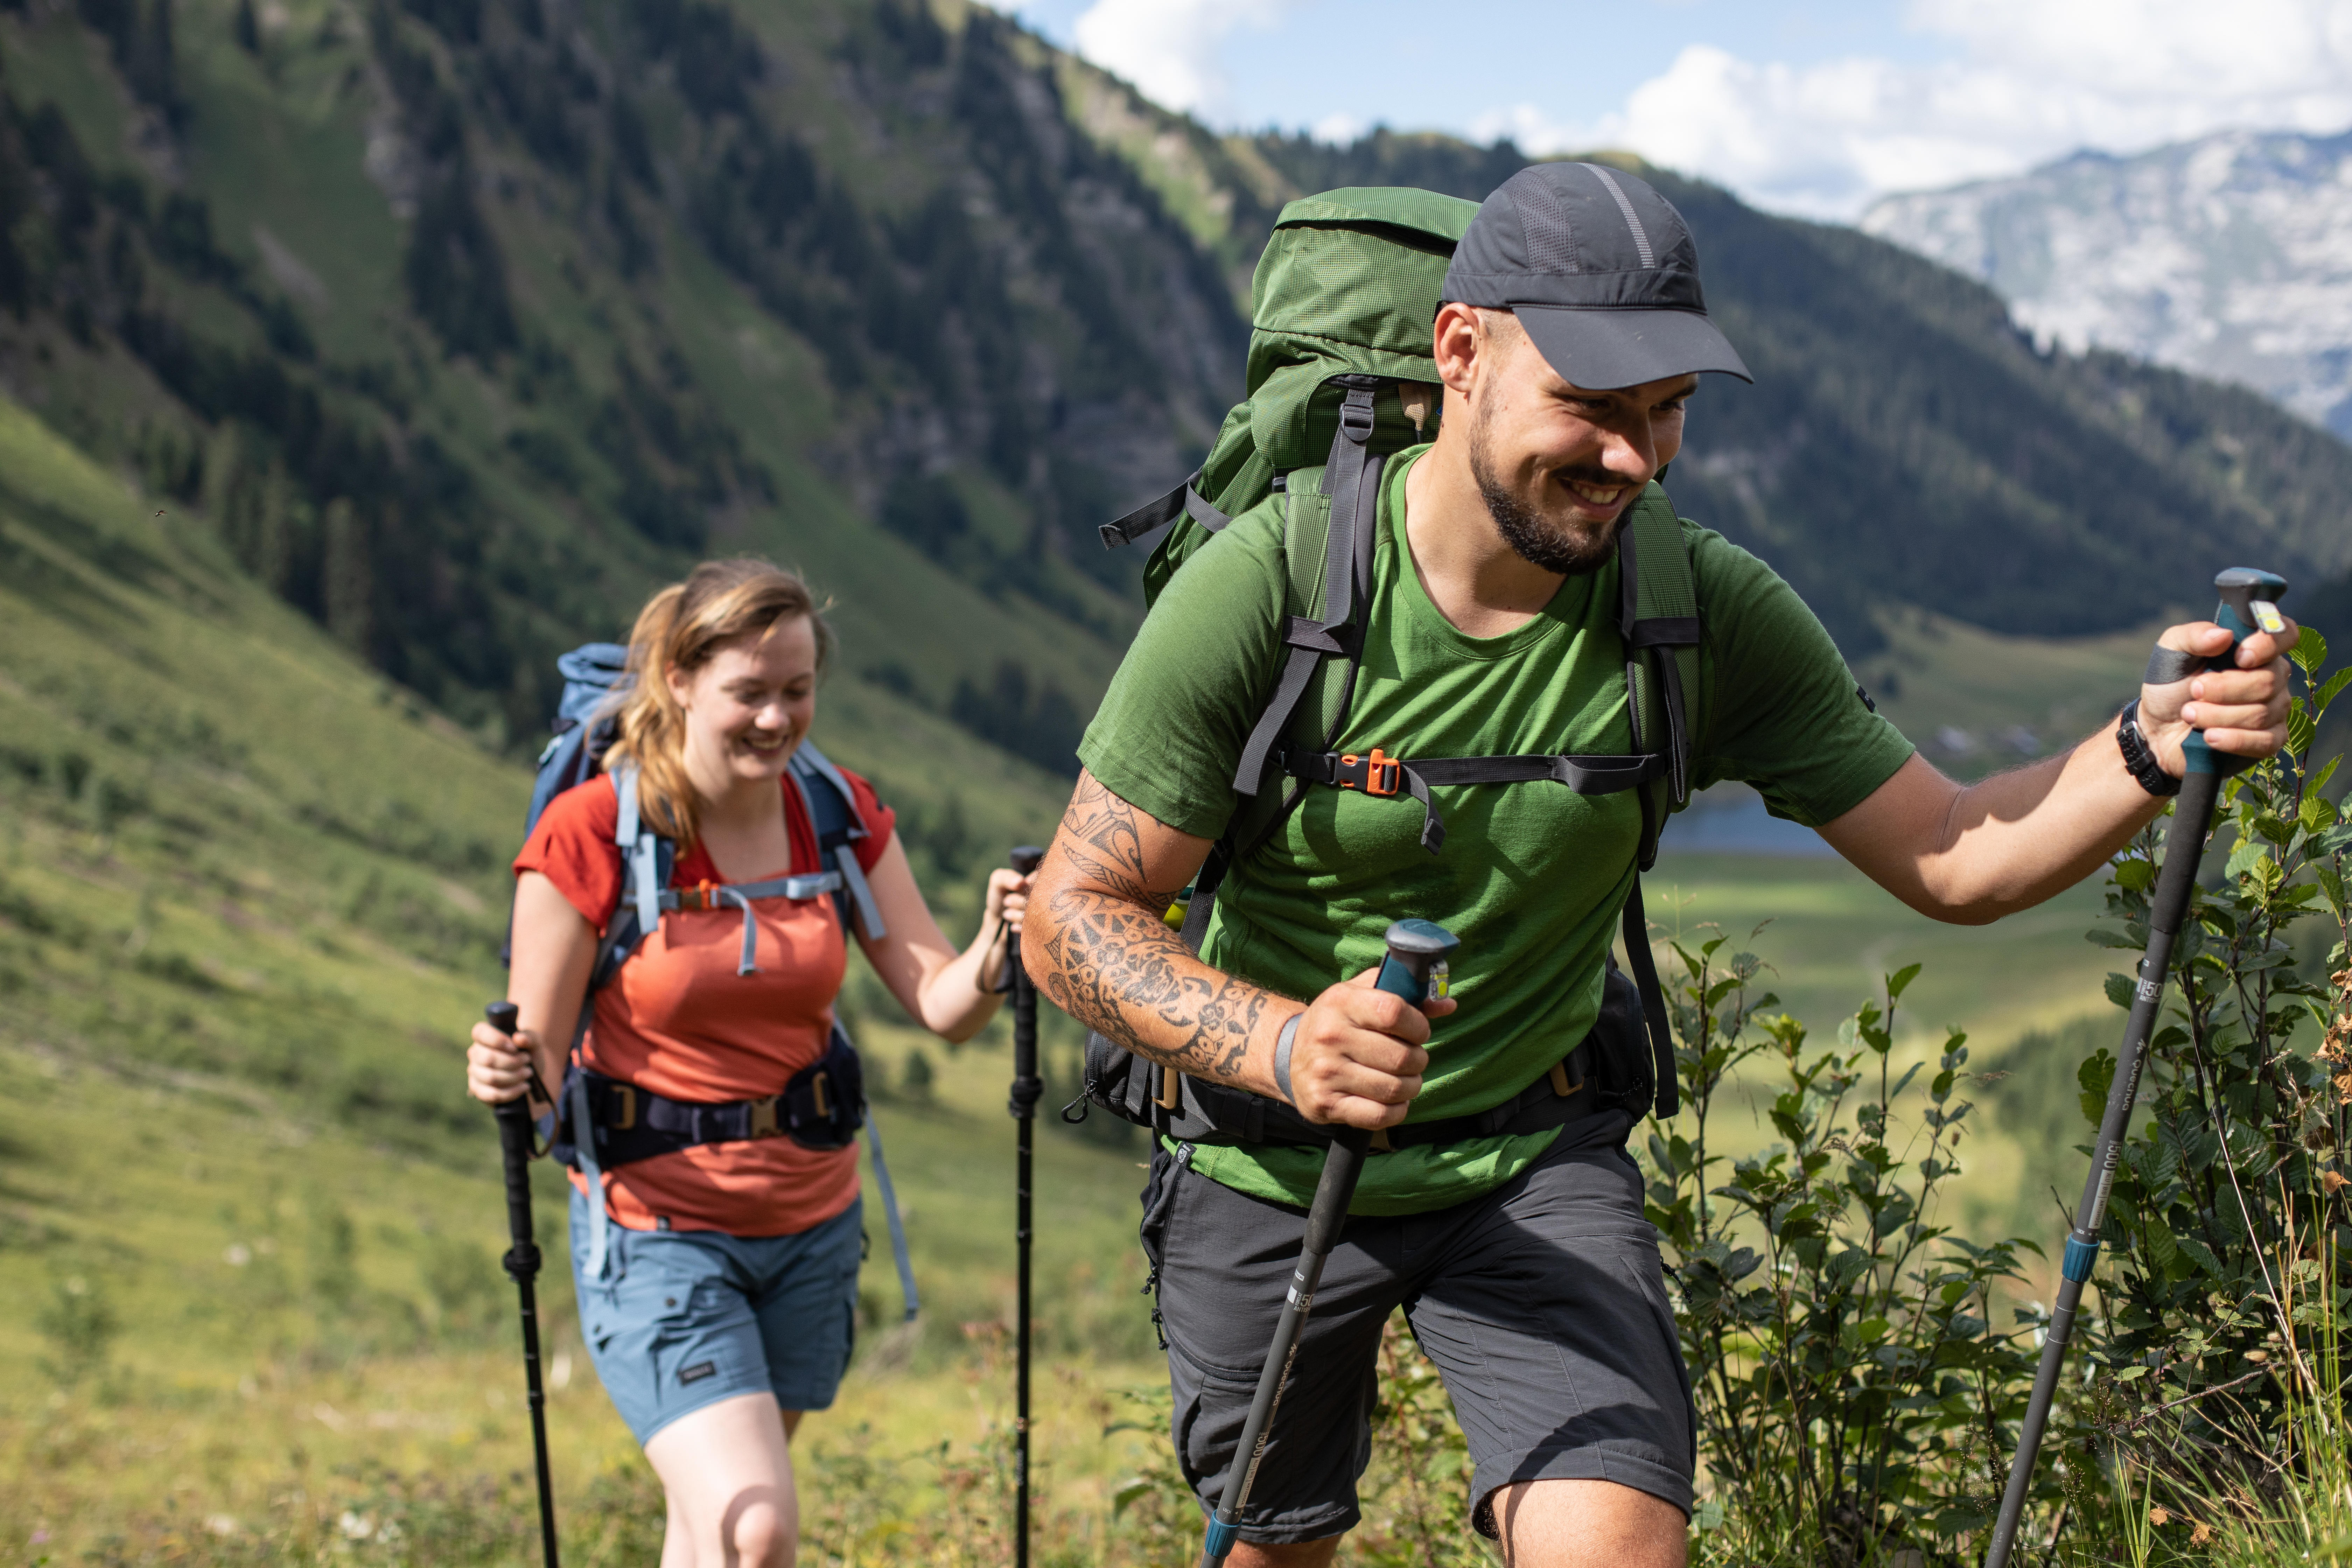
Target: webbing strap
(869, 913)
(1665, 1095)
(643, 849)
(742, 894)
(899, 1254)
(1353, 479)
(1156, 513)
(1202, 512)
(840, 844)
(1297, 671)
(1585, 775)
(599, 1225)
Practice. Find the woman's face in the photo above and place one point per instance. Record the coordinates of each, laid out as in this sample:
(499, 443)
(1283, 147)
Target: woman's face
(749, 703)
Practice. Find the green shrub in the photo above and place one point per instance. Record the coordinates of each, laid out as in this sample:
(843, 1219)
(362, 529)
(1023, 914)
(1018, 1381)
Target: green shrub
(1851, 1388)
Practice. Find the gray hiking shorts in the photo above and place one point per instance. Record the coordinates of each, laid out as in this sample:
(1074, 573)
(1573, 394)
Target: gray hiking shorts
(1543, 1305)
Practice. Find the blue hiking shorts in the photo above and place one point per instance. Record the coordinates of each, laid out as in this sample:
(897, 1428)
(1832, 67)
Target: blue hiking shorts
(683, 1318)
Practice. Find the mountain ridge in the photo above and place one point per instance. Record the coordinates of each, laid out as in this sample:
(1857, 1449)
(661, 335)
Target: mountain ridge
(2224, 255)
(463, 322)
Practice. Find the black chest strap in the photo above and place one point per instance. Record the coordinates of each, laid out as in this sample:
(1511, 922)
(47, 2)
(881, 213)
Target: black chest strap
(1376, 773)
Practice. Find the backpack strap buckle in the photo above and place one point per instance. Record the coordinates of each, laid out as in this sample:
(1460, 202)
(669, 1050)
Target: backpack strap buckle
(1356, 417)
(624, 1104)
(1374, 773)
(760, 1117)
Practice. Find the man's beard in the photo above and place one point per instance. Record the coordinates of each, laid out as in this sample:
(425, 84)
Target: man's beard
(1536, 539)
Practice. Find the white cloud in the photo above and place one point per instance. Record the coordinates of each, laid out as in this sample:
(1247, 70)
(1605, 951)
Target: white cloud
(1168, 48)
(2028, 81)
(1338, 129)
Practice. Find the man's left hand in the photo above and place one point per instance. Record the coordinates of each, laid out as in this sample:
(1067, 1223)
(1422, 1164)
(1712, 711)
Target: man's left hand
(2243, 710)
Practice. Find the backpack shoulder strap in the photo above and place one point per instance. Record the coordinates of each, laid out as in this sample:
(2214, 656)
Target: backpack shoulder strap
(1351, 482)
(1658, 617)
(831, 806)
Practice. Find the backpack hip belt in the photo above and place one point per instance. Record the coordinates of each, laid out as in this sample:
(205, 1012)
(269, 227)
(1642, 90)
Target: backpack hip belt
(821, 1107)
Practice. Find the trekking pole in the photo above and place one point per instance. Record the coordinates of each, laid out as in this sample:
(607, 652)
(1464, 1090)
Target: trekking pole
(2249, 603)
(522, 1267)
(1027, 1087)
(1415, 949)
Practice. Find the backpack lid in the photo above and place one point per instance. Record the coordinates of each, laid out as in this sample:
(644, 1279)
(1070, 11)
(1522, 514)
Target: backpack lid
(1349, 282)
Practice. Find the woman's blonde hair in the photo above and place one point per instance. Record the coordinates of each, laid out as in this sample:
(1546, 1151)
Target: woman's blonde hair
(681, 628)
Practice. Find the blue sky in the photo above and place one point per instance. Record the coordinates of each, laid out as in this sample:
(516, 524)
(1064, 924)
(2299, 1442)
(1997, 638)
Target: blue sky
(1807, 106)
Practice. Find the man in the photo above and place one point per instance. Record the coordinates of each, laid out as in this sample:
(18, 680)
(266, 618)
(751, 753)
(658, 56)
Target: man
(1572, 336)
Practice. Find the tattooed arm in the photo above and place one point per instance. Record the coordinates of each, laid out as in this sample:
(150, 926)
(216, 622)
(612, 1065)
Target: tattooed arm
(1096, 944)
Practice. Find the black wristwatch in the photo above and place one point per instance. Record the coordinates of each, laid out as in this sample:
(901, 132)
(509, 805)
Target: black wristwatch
(2138, 755)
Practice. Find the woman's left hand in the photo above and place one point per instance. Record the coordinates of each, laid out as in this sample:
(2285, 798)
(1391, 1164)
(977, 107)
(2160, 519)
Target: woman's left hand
(1008, 896)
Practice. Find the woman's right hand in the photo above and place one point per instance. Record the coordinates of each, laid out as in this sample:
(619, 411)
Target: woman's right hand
(497, 1067)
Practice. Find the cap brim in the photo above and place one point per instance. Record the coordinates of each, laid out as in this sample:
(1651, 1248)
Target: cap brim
(1604, 349)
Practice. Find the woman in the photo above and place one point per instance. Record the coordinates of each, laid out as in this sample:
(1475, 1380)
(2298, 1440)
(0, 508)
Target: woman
(726, 1301)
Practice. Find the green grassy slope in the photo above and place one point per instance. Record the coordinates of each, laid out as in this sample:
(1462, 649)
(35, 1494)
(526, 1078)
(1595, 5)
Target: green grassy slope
(249, 900)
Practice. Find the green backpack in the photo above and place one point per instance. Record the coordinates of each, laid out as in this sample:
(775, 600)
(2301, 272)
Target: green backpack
(1339, 378)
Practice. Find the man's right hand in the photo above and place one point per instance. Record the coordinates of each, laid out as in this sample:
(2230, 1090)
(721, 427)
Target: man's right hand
(497, 1067)
(1357, 1058)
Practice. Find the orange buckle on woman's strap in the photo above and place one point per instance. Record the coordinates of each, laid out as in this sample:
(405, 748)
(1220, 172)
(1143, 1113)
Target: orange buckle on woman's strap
(1374, 775)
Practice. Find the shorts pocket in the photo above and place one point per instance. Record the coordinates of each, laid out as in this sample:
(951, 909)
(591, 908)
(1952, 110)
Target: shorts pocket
(1159, 1196)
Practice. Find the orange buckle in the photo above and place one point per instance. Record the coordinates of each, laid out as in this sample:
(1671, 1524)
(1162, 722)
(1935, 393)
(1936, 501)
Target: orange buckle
(1382, 774)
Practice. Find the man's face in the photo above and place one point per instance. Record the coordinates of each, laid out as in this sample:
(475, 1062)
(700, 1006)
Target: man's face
(1559, 466)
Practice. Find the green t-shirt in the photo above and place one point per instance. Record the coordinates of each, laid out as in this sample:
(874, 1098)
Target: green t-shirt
(1532, 876)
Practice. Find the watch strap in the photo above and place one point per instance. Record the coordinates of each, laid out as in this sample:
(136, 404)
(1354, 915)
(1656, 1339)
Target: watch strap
(2139, 758)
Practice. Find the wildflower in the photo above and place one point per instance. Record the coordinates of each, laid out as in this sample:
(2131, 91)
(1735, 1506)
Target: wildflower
(2333, 1181)
(2160, 1516)
(2201, 1535)
(2344, 1086)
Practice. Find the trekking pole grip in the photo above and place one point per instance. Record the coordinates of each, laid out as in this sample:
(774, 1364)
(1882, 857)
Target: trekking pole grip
(521, 1260)
(1027, 1087)
(2249, 604)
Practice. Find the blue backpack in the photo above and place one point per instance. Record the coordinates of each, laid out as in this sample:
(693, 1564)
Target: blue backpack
(825, 1105)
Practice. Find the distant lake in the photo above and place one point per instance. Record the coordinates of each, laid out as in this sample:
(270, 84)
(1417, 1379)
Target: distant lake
(1739, 825)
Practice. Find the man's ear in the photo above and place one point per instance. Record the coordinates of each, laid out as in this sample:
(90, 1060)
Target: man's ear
(1457, 341)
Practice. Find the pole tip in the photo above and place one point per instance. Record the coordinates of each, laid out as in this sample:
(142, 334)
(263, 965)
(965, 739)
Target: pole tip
(1026, 858)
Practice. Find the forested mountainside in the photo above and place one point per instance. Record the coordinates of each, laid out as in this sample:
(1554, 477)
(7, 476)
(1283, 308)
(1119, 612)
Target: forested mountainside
(462, 321)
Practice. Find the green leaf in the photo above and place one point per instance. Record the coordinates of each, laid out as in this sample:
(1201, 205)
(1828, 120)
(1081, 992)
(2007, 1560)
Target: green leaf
(2299, 730)
(2100, 936)
(1896, 982)
(2334, 688)
(2120, 990)
(2310, 650)
(2096, 1075)
(2135, 876)
(2318, 813)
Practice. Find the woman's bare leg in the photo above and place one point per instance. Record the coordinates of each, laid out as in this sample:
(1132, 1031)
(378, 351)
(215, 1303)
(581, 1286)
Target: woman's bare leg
(728, 1473)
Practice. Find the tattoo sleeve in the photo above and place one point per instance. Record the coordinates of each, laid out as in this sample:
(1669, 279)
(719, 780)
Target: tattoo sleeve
(1111, 962)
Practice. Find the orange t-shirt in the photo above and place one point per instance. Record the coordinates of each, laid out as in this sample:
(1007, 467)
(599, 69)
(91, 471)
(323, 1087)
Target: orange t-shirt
(678, 1020)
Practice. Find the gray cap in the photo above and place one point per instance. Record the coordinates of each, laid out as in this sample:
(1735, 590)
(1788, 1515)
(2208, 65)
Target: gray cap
(1601, 272)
